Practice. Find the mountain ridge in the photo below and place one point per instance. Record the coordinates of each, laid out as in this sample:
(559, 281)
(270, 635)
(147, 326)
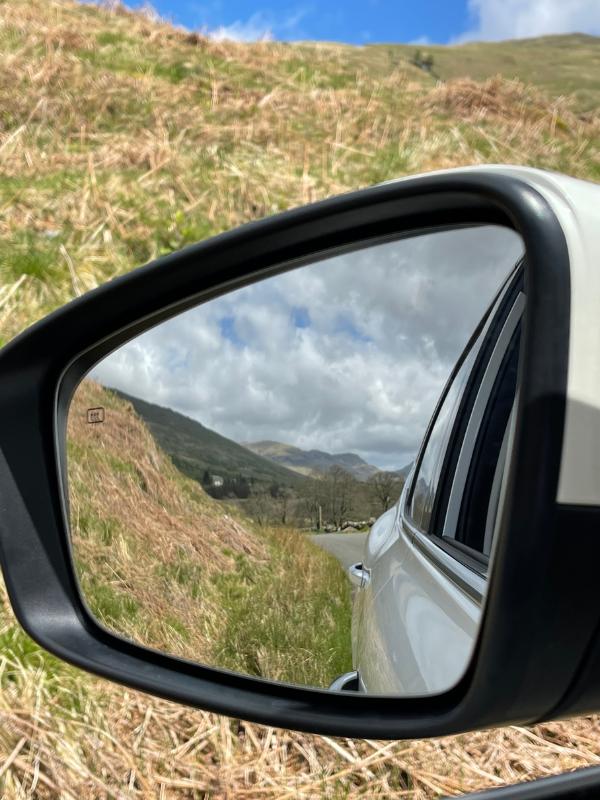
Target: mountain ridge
(313, 461)
(196, 449)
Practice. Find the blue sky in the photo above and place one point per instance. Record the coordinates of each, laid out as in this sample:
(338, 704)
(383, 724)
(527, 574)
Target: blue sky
(356, 21)
(369, 21)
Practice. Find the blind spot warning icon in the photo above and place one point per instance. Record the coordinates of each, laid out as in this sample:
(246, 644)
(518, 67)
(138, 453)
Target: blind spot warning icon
(95, 415)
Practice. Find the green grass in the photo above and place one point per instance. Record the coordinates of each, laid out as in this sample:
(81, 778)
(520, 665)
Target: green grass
(21, 657)
(289, 617)
(33, 255)
(91, 525)
(17, 647)
(183, 573)
(112, 607)
(177, 627)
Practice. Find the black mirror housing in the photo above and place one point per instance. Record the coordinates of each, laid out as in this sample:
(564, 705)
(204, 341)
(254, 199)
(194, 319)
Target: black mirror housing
(540, 616)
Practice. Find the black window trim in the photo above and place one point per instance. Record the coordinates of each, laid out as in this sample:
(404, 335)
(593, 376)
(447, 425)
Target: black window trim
(498, 315)
(498, 483)
(485, 323)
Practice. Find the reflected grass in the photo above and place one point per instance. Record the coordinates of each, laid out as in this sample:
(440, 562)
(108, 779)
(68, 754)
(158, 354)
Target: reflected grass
(289, 618)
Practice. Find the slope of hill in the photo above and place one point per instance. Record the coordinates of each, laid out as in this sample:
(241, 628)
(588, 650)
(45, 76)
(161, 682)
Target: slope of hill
(565, 65)
(165, 565)
(122, 138)
(309, 462)
(194, 448)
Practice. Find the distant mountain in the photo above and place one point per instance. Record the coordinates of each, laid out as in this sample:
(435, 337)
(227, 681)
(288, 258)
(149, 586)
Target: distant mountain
(404, 471)
(309, 462)
(194, 448)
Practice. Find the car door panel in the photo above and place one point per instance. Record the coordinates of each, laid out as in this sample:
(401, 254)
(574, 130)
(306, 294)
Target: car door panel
(419, 626)
(380, 539)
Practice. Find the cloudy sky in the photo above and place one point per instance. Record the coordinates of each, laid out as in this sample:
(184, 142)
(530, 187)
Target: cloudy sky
(345, 355)
(365, 21)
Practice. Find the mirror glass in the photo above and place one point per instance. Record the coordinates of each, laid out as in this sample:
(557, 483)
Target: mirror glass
(241, 476)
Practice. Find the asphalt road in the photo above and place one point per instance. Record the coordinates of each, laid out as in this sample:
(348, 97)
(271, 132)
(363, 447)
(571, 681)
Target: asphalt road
(346, 547)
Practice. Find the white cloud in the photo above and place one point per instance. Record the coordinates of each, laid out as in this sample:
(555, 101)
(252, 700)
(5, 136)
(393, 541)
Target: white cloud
(261, 26)
(255, 29)
(518, 19)
(421, 41)
(348, 354)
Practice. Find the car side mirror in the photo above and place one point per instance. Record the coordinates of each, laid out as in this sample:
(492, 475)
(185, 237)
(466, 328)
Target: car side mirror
(532, 651)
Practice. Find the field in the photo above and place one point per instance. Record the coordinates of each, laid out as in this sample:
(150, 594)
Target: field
(122, 138)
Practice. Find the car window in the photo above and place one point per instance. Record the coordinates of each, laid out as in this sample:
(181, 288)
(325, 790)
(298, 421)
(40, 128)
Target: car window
(480, 384)
(472, 460)
(428, 475)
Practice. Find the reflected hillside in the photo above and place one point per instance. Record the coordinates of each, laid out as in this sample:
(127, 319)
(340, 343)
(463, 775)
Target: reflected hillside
(164, 564)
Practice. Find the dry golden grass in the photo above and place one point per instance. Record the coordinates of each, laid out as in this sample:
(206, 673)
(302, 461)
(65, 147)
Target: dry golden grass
(112, 743)
(144, 536)
(503, 101)
(122, 138)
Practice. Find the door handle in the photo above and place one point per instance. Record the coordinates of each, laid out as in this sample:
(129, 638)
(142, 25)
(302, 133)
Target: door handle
(359, 575)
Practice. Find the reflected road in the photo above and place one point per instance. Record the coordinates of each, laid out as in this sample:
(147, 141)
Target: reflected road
(346, 547)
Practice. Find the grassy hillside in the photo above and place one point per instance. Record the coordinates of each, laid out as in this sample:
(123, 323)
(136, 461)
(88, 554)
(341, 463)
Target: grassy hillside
(561, 66)
(195, 449)
(122, 138)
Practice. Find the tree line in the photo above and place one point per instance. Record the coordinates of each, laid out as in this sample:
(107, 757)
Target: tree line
(333, 500)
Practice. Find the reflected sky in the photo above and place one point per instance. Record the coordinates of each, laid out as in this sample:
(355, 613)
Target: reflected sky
(346, 355)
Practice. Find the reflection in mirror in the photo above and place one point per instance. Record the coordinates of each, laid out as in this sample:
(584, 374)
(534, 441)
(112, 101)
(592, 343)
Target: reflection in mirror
(239, 476)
